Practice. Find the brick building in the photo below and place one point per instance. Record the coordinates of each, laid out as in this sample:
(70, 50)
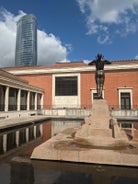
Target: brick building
(73, 84)
(68, 89)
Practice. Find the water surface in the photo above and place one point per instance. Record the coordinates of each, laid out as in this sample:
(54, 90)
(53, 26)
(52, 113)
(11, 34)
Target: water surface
(17, 168)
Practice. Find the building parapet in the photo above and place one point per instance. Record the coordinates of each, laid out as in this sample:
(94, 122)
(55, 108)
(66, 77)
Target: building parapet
(67, 69)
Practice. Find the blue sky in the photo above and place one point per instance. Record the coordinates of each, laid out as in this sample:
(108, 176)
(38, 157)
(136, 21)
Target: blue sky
(73, 30)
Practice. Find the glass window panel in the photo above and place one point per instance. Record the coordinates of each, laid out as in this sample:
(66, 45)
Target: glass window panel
(125, 101)
(66, 86)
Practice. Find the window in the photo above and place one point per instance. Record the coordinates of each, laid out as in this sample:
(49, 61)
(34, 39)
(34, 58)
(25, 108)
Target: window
(125, 101)
(66, 86)
(125, 97)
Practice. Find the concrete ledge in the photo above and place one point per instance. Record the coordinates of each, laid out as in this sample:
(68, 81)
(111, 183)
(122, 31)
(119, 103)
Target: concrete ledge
(63, 148)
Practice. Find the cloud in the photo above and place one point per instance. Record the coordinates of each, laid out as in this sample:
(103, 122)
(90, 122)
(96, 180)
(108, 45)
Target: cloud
(50, 48)
(102, 14)
(103, 39)
(136, 57)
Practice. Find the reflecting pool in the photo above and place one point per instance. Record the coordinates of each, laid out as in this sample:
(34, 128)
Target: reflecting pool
(17, 168)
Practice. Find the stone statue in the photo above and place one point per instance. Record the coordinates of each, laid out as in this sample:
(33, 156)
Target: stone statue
(99, 74)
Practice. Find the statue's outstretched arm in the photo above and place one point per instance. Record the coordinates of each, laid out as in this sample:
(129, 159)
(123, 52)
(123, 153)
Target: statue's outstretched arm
(92, 62)
(107, 62)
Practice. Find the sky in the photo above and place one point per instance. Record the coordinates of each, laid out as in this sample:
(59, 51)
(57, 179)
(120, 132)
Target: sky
(73, 30)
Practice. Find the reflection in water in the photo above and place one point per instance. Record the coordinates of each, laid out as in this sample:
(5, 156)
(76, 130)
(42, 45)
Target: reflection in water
(123, 180)
(53, 127)
(61, 177)
(69, 173)
(22, 136)
(11, 140)
(4, 174)
(58, 125)
(21, 173)
(26, 171)
(48, 172)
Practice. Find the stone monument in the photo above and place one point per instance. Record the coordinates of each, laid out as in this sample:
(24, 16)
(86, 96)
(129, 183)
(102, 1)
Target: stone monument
(99, 74)
(101, 129)
(99, 140)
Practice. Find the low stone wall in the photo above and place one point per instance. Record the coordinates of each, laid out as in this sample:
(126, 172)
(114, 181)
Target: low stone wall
(124, 113)
(67, 112)
(17, 114)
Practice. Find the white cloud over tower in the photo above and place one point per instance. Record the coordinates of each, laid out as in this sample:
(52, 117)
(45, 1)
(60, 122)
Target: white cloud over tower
(50, 48)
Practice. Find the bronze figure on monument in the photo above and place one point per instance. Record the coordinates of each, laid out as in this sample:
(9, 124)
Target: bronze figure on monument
(99, 74)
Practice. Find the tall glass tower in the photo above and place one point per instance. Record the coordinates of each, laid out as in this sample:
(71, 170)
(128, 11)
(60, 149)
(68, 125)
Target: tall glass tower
(26, 41)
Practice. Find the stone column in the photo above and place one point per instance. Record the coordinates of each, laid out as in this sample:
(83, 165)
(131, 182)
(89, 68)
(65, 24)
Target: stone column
(19, 100)
(41, 102)
(6, 98)
(35, 101)
(28, 100)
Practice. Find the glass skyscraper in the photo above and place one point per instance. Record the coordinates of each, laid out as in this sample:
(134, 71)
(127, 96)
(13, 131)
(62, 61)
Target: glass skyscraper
(26, 41)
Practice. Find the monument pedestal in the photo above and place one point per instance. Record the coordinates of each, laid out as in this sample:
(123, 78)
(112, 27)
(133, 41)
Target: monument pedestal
(100, 129)
(99, 140)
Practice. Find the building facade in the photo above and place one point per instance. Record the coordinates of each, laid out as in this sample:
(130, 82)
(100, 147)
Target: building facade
(16, 95)
(26, 41)
(72, 85)
(69, 90)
